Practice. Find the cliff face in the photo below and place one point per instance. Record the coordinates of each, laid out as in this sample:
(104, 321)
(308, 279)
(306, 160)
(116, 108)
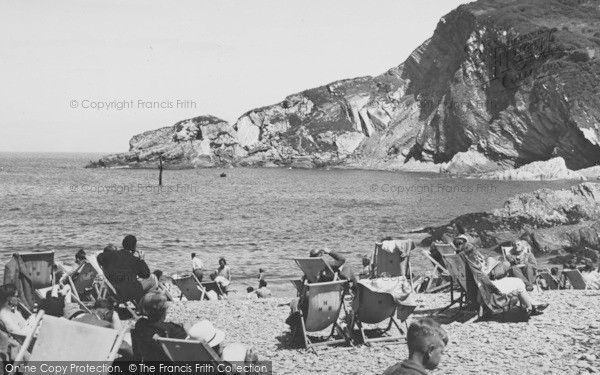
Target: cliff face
(500, 84)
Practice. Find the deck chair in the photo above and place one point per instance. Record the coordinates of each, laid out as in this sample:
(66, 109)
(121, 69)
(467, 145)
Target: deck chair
(189, 286)
(61, 339)
(552, 283)
(457, 270)
(575, 278)
(298, 285)
(390, 264)
(82, 285)
(312, 267)
(108, 290)
(481, 289)
(439, 268)
(214, 286)
(374, 308)
(323, 303)
(41, 268)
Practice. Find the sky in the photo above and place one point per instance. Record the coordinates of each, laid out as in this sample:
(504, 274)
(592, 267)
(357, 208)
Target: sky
(85, 76)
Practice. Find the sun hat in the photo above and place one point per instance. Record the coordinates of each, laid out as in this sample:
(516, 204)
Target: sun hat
(463, 237)
(205, 330)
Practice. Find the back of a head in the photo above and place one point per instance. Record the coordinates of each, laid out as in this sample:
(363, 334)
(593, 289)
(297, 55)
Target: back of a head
(193, 255)
(423, 333)
(157, 273)
(129, 242)
(154, 306)
(110, 247)
(325, 276)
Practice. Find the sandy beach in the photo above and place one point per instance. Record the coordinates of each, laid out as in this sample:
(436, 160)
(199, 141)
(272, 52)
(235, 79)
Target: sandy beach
(564, 340)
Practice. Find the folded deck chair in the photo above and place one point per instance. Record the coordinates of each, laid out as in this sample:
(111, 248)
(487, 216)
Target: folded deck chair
(480, 288)
(575, 278)
(82, 284)
(323, 303)
(457, 270)
(392, 264)
(374, 308)
(312, 267)
(65, 340)
(189, 286)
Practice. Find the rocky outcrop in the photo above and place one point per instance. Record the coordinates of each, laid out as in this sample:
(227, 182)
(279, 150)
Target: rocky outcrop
(553, 169)
(551, 220)
(201, 141)
(499, 85)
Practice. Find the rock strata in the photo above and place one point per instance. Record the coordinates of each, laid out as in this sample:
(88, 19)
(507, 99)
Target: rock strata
(499, 85)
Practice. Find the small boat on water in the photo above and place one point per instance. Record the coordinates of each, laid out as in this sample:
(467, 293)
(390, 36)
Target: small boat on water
(223, 174)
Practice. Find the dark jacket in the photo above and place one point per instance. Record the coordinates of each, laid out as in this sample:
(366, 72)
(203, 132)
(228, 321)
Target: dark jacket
(145, 348)
(122, 269)
(15, 272)
(408, 367)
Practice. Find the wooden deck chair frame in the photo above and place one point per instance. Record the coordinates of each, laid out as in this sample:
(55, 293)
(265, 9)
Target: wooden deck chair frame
(109, 290)
(299, 286)
(458, 280)
(377, 272)
(78, 288)
(328, 297)
(436, 266)
(188, 351)
(186, 290)
(312, 267)
(53, 346)
(375, 308)
(575, 278)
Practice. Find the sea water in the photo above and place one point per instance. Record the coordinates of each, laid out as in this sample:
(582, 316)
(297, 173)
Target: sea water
(254, 217)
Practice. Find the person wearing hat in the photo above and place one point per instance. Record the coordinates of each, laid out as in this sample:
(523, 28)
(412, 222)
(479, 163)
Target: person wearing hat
(154, 308)
(460, 241)
(204, 330)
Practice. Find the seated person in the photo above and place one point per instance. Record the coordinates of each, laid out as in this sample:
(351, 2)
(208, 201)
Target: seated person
(263, 291)
(591, 276)
(206, 331)
(505, 285)
(426, 341)
(522, 263)
(13, 320)
(80, 261)
(154, 308)
(122, 268)
(367, 268)
(251, 293)
(337, 263)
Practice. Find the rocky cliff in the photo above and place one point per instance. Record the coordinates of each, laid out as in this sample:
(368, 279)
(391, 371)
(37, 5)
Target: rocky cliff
(500, 84)
(551, 220)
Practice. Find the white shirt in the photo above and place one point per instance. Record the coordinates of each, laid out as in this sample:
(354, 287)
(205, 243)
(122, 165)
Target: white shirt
(197, 264)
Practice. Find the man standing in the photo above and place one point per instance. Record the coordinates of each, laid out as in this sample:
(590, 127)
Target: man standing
(197, 267)
(122, 268)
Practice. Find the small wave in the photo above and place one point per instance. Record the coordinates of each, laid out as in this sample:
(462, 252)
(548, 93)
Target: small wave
(15, 209)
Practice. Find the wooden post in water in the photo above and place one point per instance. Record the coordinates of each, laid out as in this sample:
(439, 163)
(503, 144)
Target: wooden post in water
(160, 169)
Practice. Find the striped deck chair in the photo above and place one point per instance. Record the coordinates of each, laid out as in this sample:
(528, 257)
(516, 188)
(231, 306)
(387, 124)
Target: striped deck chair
(65, 340)
(312, 267)
(387, 264)
(323, 303)
(575, 278)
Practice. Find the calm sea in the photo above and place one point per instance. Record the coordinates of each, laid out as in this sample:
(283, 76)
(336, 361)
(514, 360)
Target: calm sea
(253, 217)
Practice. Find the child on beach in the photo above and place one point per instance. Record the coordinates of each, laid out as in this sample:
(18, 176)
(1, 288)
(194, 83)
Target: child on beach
(426, 342)
(261, 275)
(251, 293)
